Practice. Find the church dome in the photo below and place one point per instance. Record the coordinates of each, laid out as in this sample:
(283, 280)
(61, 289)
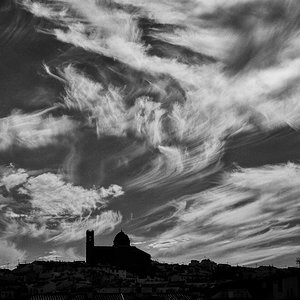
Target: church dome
(121, 239)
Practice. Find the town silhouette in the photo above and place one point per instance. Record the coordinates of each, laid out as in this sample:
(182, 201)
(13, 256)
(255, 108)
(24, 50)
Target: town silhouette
(121, 254)
(122, 271)
(179, 119)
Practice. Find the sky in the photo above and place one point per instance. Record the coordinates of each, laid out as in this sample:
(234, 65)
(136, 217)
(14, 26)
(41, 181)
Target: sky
(175, 120)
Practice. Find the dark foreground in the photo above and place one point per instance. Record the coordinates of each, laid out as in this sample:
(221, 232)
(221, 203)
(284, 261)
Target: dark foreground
(199, 280)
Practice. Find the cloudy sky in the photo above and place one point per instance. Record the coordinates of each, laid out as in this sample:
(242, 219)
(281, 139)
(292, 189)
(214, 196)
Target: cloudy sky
(176, 120)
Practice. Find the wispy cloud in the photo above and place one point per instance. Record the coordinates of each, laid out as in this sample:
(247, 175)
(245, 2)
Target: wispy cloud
(178, 114)
(33, 130)
(252, 211)
(104, 222)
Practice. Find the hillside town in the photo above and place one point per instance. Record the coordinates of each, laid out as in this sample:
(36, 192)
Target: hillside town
(122, 271)
(201, 280)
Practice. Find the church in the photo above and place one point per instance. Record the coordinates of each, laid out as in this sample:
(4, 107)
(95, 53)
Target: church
(120, 254)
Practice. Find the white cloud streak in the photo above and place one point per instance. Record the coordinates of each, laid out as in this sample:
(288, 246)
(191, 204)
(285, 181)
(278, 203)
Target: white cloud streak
(12, 178)
(33, 130)
(250, 216)
(104, 222)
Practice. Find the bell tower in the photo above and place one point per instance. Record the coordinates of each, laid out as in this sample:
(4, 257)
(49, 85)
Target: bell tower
(89, 246)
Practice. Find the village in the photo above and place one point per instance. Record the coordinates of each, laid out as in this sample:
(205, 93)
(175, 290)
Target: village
(197, 280)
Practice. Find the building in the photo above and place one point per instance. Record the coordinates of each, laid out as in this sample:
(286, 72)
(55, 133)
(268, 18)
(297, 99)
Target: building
(121, 254)
(287, 286)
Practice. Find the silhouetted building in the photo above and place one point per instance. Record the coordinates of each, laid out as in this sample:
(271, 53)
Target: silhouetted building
(121, 254)
(287, 286)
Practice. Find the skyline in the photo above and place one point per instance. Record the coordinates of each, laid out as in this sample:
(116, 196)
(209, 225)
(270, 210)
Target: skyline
(177, 121)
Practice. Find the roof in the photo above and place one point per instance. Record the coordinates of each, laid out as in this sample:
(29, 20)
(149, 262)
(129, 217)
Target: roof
(121, 239)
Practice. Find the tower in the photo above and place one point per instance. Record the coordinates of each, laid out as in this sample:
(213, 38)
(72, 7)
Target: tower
(89, 246)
